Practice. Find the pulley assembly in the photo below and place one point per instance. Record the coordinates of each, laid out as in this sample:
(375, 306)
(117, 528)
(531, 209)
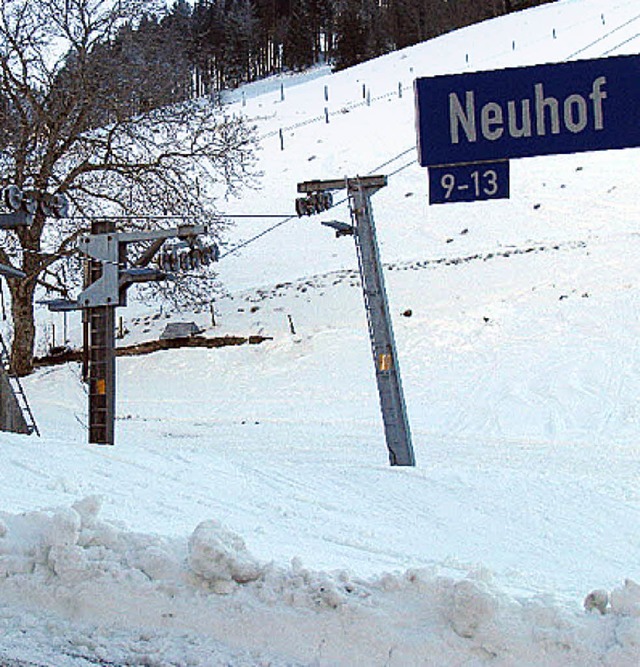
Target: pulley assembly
(314, 202)
(185, 256)
(52, 205)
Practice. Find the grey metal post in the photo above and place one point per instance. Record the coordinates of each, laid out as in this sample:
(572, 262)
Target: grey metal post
(394, 413)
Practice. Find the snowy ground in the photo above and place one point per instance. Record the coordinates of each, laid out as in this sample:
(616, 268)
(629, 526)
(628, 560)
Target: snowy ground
(247, 514)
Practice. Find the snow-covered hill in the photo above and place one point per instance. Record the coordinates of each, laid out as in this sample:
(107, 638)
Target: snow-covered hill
(247, 514)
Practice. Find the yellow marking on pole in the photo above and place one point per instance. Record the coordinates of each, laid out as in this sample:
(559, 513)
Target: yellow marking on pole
(384, 361)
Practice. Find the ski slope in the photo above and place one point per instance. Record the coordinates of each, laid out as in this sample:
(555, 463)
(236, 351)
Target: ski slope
(247, 514)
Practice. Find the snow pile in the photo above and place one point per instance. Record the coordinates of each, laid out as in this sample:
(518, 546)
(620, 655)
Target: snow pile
(221, 557)
(96, 574)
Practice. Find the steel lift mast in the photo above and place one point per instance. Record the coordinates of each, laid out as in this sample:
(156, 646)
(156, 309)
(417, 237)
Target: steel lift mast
(385, 356)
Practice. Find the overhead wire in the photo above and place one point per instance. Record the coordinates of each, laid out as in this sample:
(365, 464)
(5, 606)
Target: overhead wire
(173, 217)
(617, 46)
(284, 218)
(603, 37)
(244, 244)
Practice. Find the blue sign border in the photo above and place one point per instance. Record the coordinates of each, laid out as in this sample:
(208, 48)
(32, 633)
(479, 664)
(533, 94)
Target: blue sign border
(608, 85)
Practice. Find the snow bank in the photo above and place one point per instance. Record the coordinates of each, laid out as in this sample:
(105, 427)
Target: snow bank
(207, 598)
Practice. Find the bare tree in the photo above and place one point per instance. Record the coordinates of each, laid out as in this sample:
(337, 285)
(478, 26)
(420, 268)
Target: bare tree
(67, 127)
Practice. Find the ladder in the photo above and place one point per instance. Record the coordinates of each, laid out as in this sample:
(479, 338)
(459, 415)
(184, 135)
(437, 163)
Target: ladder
(17, 390)
(102, 371)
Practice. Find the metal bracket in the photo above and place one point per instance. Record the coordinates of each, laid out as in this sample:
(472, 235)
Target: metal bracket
(181, 232)
(342, 228)
(106, 291)
(61, 305)
(140, 275)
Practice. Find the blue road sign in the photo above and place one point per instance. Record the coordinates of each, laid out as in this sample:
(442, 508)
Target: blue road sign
(469, 182)
(584, 105)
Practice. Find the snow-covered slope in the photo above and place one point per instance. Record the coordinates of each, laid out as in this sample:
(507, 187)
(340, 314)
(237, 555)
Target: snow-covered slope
(247, 514)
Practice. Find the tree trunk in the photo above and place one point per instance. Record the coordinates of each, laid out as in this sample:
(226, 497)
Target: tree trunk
(22, 299)
(24, 326)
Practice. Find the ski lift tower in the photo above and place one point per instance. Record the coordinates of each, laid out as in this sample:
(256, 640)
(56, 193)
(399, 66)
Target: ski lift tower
(109, 275)
(360, 189)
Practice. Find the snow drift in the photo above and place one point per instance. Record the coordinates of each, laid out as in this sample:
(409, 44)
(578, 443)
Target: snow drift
(94, 572)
